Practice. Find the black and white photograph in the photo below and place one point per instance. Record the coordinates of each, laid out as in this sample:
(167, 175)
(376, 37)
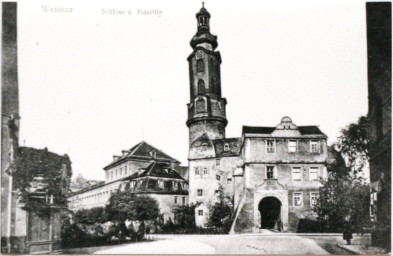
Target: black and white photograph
(196, 127)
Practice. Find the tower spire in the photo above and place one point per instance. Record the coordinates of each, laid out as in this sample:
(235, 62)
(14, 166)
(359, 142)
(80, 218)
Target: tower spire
(206, 110)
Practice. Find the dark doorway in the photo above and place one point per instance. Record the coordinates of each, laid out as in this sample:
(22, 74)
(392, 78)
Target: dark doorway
(270, 209)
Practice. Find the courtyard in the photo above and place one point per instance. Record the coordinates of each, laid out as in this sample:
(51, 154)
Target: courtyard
(262, 243)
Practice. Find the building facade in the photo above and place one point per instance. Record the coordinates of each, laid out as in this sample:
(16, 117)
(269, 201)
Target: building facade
(271, 173)
(379, 49)
(143, 170)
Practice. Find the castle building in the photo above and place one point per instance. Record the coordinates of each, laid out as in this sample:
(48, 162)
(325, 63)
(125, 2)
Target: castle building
(143, 169)
(271, 173)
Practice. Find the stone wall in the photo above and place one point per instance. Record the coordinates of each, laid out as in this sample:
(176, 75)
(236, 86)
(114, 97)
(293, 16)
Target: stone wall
(214, 130)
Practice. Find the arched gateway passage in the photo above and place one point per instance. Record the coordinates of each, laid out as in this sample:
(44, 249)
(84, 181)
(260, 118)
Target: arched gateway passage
(270, 209)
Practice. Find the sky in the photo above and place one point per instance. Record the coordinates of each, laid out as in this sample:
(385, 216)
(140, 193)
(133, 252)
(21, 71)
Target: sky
(93, 83)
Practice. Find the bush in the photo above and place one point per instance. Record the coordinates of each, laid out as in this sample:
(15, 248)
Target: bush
(310, 226)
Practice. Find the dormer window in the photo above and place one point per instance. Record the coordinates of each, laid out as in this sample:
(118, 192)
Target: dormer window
(153, 154)
(226, 147)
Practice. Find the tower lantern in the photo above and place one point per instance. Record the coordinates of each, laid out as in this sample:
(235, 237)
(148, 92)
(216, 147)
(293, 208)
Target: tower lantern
(203, 17)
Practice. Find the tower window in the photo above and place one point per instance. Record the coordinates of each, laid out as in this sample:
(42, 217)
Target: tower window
(201, 87)
(314, 146)
(200, 66)
(270, 172)
(292, 145)
(296, 174)
(197, 173)
(297, 199)
(270, 146)
(313, 175)
(314, 198)
(200, 106)
(226, 147)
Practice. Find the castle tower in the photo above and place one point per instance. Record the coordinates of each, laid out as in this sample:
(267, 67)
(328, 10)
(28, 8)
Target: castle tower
(206, 110)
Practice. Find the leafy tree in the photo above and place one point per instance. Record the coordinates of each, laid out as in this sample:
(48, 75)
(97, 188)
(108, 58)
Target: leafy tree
(124, 205)
(353, 143)
(221, 212)
(345, 193)
(91, 216)
(185, 215)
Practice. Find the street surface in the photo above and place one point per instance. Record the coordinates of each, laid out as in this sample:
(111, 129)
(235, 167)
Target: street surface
(221, 244)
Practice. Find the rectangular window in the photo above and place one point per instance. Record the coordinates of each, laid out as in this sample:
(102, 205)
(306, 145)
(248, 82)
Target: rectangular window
(175, 184)
(183, 200)
(314, 173)
(196, 169)
(270, 146)
(218, 161)
(125, 169)
(269, 172)
(314, 146)
(199, 192)
(296, 174)
(292, 145)
(297, 199)
(200, 212)
(313, 198)
(205, 171)
(229, 181)
(175, 199)
(218, 177)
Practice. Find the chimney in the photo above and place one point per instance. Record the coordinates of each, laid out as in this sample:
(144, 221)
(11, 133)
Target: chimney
(124, 152)
(115, 158)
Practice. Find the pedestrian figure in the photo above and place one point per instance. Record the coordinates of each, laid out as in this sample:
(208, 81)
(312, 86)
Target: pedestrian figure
(279, 225)
(347, 231)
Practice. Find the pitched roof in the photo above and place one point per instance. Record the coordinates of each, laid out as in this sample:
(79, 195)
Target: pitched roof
(304, 130)
(142, 151)
(163, 170)
(233, 143)
(308, 130)
(258, 129)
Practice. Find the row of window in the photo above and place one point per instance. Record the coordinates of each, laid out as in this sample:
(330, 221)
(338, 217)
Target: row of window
(292, 146)
(160, 183)
(183, 200)
(113, 174)
(96, 198)
(313, 173)
(298, 198)
(201, 192)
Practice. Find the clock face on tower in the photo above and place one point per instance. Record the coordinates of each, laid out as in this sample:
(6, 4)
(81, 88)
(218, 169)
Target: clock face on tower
(199, 54)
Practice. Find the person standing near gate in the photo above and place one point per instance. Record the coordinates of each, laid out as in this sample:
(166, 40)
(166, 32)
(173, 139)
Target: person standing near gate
(347, 231)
